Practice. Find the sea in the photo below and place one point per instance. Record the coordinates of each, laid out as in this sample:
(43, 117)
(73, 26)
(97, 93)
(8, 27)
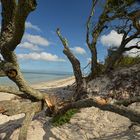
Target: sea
(36, 77)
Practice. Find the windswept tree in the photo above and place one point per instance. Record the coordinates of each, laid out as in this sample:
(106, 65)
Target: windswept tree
(14, 14)
(112, 11)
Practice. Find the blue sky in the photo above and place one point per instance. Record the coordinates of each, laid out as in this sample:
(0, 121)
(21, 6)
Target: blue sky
(41, 49)
(71, 17)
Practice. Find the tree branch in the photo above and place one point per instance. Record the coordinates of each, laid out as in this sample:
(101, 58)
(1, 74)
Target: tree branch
(94, 2)
(23, 9)
(14, 15)
(128, 102)
(12, 32)
(26, 123)
(74, 61)
(131, 47)
(11, 90)
(15, 107)
(8, 13)
(121, 110)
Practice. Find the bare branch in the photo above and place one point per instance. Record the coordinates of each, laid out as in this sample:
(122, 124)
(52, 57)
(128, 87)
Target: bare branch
(30, 109)
(127, 40)
(8, 13)
(132, 47)
(128, 102)
(26, 123)
(124, 31)
(8, 69)
(10, 90)
(135, 14)
(89, 20)
(15, 107)
(13, 21)
(2, 73)
(74, 61)
(23, 10)
(121, 110)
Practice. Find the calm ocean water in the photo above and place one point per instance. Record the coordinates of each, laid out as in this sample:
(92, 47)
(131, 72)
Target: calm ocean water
(37, 77)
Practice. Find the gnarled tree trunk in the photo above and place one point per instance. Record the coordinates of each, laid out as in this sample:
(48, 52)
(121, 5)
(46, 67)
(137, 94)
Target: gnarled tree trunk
(80, 81)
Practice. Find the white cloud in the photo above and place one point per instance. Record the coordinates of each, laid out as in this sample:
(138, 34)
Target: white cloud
(1, 58)
(78, 50)
(40, 56)
(37, 40)
(30, 46)
(112, 39)
(31, 26)
(133, 53)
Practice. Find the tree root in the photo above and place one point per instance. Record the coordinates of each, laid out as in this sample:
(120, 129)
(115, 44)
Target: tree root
(132, 115)
(24, 129)
(10, 108)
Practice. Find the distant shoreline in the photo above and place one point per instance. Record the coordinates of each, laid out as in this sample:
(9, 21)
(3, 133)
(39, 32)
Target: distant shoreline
(44, 85)
(55, 83)
(50, 73)
(37, 78)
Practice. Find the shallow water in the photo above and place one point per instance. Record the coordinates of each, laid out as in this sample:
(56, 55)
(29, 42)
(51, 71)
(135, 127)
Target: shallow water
(36, 77)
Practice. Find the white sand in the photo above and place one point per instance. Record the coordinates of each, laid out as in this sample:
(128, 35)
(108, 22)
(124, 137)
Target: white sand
(89, 123)
(55, 83)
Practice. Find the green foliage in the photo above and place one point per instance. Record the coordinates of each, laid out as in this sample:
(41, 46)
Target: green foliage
(127, 61)
(2, 64)
(113, 2)
(65, 118)
(116, 3)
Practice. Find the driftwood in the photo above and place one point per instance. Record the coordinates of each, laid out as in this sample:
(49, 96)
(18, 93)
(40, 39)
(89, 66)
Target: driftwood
(121, 110)
(10, 108)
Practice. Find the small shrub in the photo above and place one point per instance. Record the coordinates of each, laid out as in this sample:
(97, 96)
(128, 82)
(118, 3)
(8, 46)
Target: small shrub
(65, 118)
(127, 61)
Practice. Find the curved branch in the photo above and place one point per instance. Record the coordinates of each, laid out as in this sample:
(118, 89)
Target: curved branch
(121, 110)
(26, 123)
(2, 73)
(13, 108)
(74, 61)
(88, 22)
(11, 90)
(8, 13)
(132, 47)
(11, 61)
(128, 102)
(14, 15)
(15, 91)
(23, 9)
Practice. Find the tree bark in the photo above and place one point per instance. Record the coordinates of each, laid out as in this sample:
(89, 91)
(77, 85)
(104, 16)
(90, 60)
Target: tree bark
(26, 123)
(121, 110)
(106, 16)
(116, 55)
(76, 67)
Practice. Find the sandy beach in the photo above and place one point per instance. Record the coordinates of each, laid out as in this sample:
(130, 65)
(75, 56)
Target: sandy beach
(88, 124)
(55, 83)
